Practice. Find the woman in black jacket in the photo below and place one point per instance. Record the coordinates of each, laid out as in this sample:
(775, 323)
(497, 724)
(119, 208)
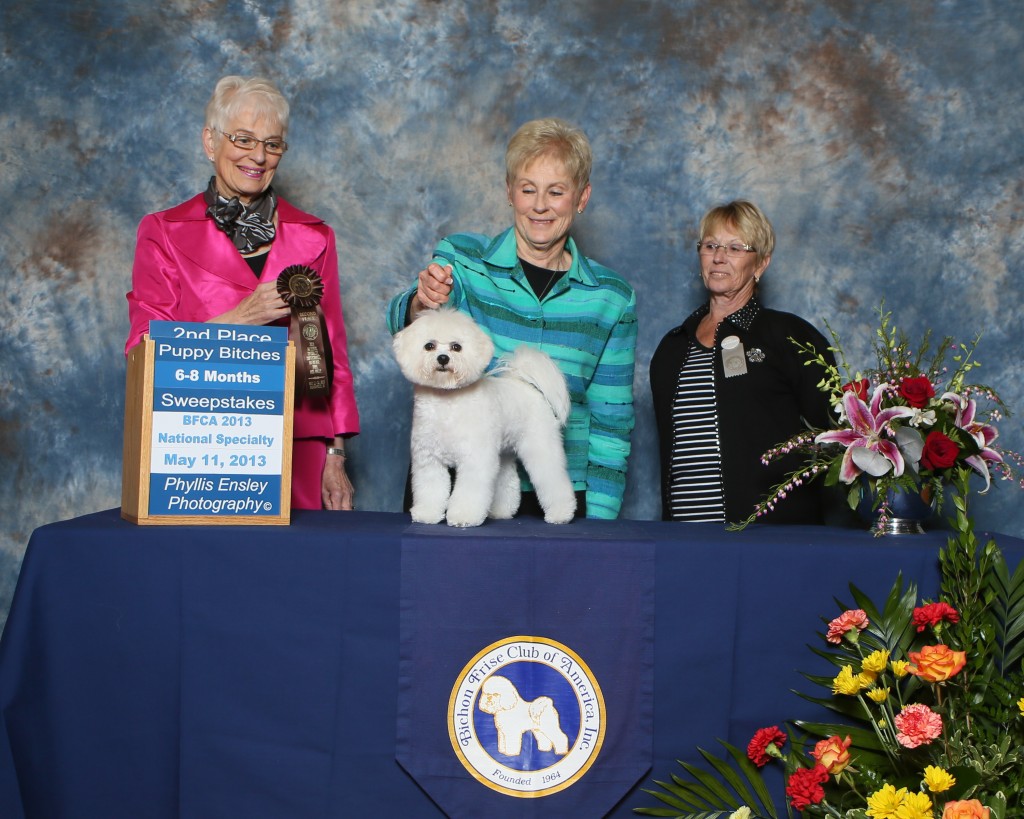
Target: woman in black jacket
(729, 383)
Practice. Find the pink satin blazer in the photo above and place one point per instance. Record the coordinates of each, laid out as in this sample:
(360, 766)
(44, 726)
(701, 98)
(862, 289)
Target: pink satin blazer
(186, 269)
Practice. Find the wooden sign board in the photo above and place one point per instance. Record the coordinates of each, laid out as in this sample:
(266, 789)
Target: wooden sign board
(208, 425)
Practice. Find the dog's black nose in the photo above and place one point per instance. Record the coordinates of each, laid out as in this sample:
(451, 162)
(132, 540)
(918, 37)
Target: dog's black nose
(443, 360)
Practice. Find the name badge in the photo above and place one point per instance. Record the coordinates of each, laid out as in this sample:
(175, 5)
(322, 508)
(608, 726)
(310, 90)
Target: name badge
(734, 362)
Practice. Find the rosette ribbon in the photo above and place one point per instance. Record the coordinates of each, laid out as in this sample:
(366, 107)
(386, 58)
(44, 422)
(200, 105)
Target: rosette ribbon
(301, 288)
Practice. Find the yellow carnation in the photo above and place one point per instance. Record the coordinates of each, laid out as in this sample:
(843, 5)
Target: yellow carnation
(883, 804)
(1020, 705)
(846, 683)
(899, 667)
(937, 779)
(875, 662)
(879, 694)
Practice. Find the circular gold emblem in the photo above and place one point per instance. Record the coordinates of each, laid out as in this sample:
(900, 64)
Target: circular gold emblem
(526, 717)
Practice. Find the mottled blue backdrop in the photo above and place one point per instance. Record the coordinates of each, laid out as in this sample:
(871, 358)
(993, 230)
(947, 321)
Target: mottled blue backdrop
(884, 140)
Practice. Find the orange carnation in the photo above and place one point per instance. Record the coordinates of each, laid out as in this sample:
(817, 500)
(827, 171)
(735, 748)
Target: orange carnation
(967, 809)
(936, 663)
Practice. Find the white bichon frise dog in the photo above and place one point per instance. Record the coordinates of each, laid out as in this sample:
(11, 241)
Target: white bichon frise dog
(480, 423)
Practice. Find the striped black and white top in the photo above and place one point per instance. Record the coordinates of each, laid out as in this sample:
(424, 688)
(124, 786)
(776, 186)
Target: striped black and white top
(697, 493)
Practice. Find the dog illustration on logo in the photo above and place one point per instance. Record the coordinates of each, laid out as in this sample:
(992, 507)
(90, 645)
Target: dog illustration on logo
(514, 716)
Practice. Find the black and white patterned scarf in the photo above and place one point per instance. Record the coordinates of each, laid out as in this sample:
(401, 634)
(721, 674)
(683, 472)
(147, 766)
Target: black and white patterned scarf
(248, 227)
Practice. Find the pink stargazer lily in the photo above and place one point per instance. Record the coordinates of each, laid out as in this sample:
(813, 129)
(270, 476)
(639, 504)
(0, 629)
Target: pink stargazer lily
(866, 448)
(983, 435)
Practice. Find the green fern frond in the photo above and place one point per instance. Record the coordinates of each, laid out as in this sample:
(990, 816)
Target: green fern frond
(708, 793)
(1007, 611)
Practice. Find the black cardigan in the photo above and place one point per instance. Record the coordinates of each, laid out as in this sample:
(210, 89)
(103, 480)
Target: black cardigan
(756, 410)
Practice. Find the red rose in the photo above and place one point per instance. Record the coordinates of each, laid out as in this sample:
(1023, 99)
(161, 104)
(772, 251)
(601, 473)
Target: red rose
(940, 451)
(804, 786)
(860, 388)
(765, 738)
(917, 390)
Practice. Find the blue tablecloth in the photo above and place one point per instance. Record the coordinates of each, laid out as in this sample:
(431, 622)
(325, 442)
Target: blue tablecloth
(253, 671)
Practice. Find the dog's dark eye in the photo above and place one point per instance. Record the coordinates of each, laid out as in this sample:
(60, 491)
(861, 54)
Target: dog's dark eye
(455, 347)
(430, 345)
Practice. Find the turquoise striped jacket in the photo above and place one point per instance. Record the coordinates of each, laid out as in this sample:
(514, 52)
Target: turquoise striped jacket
(586, 323)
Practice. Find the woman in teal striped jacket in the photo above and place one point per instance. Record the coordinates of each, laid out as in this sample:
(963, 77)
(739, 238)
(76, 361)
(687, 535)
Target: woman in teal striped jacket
(530, 284)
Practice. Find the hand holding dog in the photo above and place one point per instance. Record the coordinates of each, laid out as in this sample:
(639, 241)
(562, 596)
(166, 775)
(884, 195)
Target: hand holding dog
(434, 286)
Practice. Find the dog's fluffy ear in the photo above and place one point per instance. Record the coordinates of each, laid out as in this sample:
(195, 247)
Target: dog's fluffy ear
(402, 342)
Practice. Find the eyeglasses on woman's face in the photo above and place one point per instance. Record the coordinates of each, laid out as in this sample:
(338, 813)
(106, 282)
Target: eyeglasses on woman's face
(735, 250)
(246, 142)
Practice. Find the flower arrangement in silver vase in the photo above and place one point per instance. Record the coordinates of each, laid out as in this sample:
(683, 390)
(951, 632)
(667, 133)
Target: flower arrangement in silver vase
(915, 423)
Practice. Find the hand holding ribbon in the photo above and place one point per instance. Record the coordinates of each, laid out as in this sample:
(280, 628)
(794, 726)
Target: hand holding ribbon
(301, 288)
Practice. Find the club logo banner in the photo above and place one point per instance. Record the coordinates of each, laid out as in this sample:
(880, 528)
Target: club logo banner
(526, 670)
(517, 743)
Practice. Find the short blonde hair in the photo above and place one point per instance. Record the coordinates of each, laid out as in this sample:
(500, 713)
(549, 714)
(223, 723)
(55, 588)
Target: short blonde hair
(550, 137)
(234, 94)
(750, 223)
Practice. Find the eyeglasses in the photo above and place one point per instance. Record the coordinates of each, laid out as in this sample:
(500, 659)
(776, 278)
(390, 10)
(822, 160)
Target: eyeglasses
(248, 143)
(733, 249)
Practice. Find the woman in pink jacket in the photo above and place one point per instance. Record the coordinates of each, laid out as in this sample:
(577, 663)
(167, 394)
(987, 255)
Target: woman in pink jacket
(217, 258)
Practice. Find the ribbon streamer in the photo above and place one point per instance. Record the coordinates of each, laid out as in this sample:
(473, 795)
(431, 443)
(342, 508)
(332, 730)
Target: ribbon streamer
(301, 288)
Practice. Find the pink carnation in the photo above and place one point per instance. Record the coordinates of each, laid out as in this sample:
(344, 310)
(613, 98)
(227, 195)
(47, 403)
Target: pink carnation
(918, 725)
(847, 621)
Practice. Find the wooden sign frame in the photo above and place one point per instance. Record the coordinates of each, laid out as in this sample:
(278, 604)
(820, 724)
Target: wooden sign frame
(138, 440)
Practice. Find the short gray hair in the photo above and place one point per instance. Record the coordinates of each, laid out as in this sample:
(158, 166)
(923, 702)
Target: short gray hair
(233, 94)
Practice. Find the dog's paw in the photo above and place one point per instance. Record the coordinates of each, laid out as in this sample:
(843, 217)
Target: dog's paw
(502, 511)
(464, 517)
(560, 514)
(421, 514)
(465, 522)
